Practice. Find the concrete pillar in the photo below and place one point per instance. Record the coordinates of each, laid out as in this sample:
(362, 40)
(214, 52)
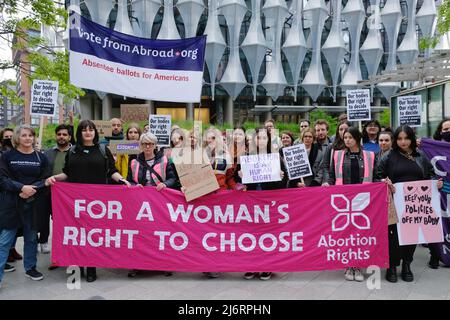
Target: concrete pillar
(190, 111)
(228, 110)
(341, 101)
(107, 107)
(97, 109)
(218, 105)
(86, 107)
(306, 101)
(151, 104)
(269, 102)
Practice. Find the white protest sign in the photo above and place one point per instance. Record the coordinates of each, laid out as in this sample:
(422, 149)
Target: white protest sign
(44, 98)
(409, 110)
(358, 105)
(261, 168)
(160, 126)
(297, 162)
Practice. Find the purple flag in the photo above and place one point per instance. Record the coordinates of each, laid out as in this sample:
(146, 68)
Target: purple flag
(439, 154)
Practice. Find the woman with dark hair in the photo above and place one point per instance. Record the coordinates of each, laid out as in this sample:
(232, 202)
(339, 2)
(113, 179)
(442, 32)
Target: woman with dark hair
(352, 165)
(123, 160)
(262, 146)
(237, 149)
(442, 132)
(402, 164)
(88, 162)
(370, 136)
(287, 139)
(338, 144)
(23, 171)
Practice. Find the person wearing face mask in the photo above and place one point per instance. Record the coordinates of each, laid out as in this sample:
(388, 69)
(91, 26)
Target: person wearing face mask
(6, 144)
(442, 133)
(402, 164)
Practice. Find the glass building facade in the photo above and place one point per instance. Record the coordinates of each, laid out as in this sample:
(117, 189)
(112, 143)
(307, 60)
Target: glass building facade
(295, 52)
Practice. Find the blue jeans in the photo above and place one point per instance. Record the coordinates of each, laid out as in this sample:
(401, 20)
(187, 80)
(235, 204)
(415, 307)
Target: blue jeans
(7, 237)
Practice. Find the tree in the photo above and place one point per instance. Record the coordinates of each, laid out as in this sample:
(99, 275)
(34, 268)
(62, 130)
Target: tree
(19, 16)
(442, 27)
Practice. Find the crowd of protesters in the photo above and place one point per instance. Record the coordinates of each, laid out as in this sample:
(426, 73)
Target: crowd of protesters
(348, 157)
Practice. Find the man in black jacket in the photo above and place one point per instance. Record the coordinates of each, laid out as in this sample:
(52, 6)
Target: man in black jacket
(56, 157)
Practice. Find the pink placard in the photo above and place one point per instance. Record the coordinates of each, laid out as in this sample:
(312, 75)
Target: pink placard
(289, 230)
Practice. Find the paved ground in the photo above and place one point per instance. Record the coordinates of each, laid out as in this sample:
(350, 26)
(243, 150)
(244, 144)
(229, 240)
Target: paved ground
(114, 284)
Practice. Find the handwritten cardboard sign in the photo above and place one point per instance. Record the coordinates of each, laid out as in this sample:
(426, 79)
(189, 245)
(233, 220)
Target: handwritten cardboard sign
(104, 128)
(261, 168)
(419, 212)
(134, 112)
(195, 172)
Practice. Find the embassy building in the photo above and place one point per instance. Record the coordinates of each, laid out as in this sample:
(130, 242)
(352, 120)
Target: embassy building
(273, 58)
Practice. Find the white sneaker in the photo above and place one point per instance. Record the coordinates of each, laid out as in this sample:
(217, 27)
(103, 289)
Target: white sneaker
(349, 274)
(45, 247)
(358, 275)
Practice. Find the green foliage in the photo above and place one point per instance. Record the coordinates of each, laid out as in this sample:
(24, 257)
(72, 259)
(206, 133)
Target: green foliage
(56, 70)
(442, 27)
(9, 94)
(385, 118)
(47, 63)
(321, 114)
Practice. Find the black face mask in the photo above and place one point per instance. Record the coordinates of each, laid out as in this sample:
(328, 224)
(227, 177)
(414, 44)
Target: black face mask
(7, 143)
(446, 136)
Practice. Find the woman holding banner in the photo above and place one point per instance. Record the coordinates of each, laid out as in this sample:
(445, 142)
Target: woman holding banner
(22, 176)
(338, 144)
(217, 155)
(151, 168)
(402, 164)
(88, 162)
(123, 160)
(238, 149)
(262, 146)
(442, 133)
(315, 156)
(352, 165)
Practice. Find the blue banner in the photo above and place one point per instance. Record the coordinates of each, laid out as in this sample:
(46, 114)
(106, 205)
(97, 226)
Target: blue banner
(90, 38)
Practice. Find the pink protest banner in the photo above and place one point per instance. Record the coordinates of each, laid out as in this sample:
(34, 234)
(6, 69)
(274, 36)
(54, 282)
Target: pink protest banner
(419, 212)
(229, 231)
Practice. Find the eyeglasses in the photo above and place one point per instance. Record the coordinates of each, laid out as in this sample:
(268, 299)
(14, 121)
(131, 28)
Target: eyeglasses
(148, 144)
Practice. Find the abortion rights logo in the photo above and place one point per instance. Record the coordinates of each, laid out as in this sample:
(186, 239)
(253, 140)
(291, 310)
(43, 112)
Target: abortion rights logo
(350, 211)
